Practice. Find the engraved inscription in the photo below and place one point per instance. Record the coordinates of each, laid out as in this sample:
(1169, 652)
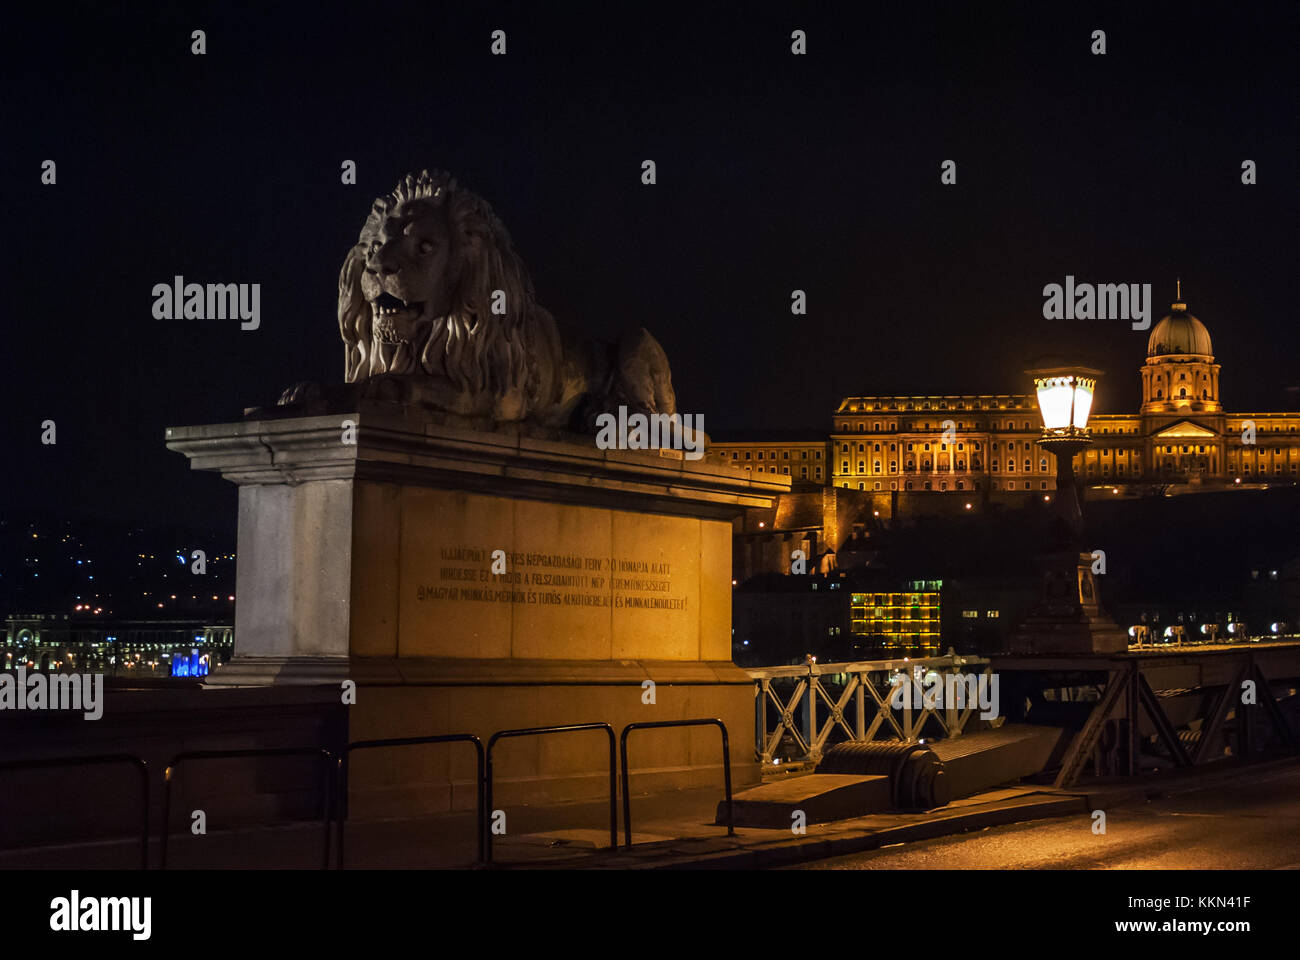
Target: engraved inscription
(556, 579)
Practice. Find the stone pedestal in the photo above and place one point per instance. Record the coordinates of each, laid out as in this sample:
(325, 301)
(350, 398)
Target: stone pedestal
(471, 581)
(1069, 618)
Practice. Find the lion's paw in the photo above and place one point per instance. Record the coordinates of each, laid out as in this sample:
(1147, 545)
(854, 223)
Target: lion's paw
(304, 391)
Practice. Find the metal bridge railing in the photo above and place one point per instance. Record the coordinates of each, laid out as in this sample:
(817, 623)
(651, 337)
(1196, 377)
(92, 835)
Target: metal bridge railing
(861, 707)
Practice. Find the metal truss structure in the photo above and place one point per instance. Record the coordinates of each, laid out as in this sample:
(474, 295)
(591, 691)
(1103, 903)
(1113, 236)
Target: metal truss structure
(861, 700)
(1231, 687)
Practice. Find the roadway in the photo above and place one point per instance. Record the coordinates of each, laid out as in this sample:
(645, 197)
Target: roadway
(1249, 822)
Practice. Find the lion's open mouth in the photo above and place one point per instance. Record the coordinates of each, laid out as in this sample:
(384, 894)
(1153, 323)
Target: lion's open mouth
(394, 317)
(386, 303)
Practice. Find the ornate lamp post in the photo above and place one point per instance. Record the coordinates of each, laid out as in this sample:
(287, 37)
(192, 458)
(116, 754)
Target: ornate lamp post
(1067, 618)
(1064, 402)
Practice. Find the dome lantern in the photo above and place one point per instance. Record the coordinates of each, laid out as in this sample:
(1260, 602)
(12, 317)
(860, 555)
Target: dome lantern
(1180, 333)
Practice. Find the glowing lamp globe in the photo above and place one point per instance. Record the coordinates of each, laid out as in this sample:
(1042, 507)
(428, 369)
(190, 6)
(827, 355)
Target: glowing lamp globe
(1065, 398)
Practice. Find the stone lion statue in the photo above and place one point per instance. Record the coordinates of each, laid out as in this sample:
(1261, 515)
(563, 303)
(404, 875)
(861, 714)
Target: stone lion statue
(436, 309)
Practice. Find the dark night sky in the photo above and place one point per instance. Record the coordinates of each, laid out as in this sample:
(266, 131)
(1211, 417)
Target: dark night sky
(775, 172)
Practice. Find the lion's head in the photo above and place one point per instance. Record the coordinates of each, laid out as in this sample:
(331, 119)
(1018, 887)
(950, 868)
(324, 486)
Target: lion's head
(416, 293)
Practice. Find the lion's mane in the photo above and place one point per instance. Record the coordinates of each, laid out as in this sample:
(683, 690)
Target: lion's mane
(477, 350)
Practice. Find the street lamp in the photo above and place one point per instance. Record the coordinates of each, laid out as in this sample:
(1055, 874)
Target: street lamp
(1064, 402)
(1068, 618)
(1065, 398)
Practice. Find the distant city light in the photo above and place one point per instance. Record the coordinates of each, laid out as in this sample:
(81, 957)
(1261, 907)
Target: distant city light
(192, 665)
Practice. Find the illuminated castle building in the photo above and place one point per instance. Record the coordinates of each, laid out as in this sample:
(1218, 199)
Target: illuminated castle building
(984, 445)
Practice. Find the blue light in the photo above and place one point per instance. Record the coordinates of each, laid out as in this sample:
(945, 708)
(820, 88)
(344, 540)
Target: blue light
(193, 665)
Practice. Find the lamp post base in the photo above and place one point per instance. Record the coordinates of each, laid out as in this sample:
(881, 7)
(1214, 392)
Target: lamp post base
(1068, 619)
(1044, 635)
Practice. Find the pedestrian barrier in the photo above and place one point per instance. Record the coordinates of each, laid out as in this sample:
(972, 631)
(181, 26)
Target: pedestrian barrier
(539, 731)
(104, 758)
(342, 783)
(335, 768)
(320, 752)
(648, 725)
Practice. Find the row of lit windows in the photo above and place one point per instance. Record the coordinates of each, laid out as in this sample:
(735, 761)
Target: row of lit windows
(1119, 471)
(1091, 457)
(975, 404)
(927, 466)
(878, 426)
(943, 485)
(867, 627)
(902, 613)
(1090, 469)
(861, 426)
(862, 447)
(1011, 466)
(803, 472)
(785, 455)
(1278, 469)
(1011, 445)
(1263, 428)
(928, 598)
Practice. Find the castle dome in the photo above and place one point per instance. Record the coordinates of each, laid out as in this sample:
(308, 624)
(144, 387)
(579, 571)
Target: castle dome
(1179, 333)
